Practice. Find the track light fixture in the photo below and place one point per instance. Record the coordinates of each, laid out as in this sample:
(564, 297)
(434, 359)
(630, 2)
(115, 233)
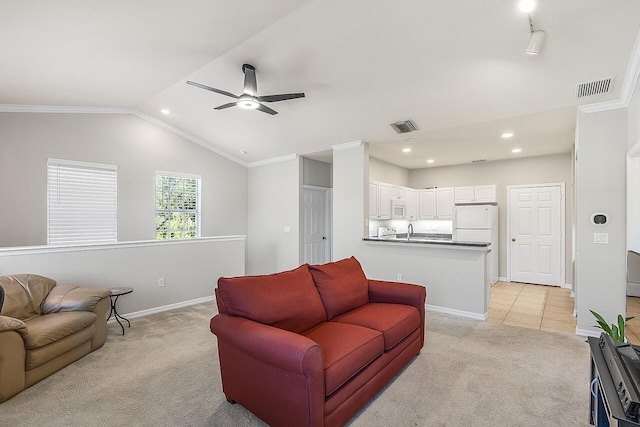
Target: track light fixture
(536, 39)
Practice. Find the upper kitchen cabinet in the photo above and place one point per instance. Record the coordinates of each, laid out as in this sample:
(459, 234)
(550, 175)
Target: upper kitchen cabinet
(379, 200)
(413, 204)
(436, 203)
(476, 194)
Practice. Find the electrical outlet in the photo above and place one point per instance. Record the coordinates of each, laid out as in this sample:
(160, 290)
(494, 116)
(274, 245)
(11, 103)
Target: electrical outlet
(161, 282)
(399, 276)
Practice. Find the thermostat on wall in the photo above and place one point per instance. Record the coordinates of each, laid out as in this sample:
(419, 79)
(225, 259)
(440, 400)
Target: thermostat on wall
(599, 219)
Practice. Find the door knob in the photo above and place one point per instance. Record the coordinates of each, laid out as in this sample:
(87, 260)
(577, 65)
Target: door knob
(513, 239)
(324, 237)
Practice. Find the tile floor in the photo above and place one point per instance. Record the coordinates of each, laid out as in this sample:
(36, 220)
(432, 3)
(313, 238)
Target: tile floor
(548, 308)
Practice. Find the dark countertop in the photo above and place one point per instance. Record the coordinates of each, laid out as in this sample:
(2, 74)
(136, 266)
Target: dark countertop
(427, 239)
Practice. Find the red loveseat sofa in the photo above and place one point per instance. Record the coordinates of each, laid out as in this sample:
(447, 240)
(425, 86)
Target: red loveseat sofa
(311, 346)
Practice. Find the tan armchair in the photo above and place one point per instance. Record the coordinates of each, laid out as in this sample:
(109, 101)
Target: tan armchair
(45, 327)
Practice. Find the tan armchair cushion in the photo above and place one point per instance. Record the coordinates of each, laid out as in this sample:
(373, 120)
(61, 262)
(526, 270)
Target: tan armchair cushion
(73, 298)
(53, 327)
(24, 294)
(13, 324)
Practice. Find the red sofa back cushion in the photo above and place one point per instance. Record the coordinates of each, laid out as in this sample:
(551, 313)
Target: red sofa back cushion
(342, 285)
(287, 300)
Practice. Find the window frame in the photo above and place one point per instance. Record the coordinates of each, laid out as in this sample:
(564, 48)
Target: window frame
(169, 211)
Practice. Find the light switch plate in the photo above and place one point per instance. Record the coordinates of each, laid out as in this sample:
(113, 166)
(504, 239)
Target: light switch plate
(601, 238)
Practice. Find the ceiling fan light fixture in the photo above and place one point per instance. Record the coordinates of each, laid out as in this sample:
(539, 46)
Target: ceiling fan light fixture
(535, 42)
(248, 102)
(526, 6)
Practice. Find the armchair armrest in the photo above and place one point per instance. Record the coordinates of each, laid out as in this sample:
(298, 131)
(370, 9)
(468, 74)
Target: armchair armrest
(13, 324)
(73, 298)
(274, 346)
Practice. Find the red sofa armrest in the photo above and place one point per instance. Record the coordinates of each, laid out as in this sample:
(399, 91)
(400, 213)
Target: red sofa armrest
(399, 293)
(276, 374)
(274, 346)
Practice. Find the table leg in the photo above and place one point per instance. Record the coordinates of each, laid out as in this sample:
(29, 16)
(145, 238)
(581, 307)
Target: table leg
(115, 314)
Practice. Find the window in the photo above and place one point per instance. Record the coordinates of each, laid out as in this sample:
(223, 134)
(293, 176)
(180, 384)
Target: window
(177, 206)
(81, 202)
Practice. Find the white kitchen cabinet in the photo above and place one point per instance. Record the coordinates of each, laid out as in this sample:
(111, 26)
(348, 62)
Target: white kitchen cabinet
(476, 194)
(444, 203)
(398, 192)
(379, 200)
(436, 203)
(413, 204)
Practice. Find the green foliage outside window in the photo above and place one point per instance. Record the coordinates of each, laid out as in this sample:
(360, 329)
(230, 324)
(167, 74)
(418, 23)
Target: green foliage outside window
(177, 207)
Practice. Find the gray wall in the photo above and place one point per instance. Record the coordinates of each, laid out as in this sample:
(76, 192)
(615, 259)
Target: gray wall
(528, 170)
(601, 147)
(274, 203)
(316, 173)
(138, 147)
(386, 172)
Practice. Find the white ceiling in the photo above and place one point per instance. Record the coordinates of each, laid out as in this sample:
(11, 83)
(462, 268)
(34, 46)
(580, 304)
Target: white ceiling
(456, 68)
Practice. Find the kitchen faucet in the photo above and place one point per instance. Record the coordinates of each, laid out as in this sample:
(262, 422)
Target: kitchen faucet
(409, 231)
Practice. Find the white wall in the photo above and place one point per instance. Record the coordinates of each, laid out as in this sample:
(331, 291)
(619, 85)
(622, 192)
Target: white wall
(274, 203)
(191, 268)
(601, 148)
(386, 172)
(138, 147)
(528, 170)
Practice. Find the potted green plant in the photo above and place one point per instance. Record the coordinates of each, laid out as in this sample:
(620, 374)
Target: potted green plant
(616, 330)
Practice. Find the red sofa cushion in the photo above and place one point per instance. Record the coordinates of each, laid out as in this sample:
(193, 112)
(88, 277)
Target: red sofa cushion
(395, 321)
(287, 300)
(347, 349)
(342, 285)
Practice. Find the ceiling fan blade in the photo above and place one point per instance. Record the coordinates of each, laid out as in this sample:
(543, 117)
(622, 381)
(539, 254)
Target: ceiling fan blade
(266, 109)
(281, 97)
(250, 85)
(212, 89)
(223, 106)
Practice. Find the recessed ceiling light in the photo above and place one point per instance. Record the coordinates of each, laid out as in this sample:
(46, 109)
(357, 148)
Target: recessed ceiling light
(165, 111)
(526, 6)
(406, 150)
(516, 150)
(507, 135)
(243, 151)
(430, 161)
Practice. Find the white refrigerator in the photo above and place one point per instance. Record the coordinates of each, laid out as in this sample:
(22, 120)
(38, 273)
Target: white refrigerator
(479, 223)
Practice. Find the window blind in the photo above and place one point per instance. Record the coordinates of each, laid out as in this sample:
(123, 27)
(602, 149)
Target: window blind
(82, 203)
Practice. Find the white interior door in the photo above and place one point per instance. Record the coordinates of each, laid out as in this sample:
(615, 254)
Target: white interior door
(316, 226)
(536, 240)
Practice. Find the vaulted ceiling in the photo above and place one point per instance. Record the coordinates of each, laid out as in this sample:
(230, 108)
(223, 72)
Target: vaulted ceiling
(457, 69)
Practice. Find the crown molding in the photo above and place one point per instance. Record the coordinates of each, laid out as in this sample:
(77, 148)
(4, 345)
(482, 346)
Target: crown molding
(272, 160)
(628, 86)
(15, 108)
(347, 146)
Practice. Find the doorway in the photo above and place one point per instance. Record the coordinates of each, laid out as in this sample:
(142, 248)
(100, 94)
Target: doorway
(535, 233)
(317, 224)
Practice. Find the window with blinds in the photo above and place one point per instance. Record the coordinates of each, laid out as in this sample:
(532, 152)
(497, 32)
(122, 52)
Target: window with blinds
(177, 206)
(82, 203)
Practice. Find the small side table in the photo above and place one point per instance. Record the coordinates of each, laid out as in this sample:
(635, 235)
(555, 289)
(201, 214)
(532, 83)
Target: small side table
(115, 294)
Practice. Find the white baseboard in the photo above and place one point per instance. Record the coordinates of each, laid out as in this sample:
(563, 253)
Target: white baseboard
(459, 313)
(633, 289)
(567, 286)
(587, 333)
(160, 309)
(502, 279)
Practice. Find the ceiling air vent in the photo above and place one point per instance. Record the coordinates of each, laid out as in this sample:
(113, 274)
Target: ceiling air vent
(595, 87)
(404, 127)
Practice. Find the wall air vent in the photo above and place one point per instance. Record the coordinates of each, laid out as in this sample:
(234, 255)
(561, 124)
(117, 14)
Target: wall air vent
(478, 161)
(595, 87)
(404, 127)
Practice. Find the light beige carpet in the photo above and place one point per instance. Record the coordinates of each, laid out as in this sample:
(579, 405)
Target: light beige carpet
(164, 372)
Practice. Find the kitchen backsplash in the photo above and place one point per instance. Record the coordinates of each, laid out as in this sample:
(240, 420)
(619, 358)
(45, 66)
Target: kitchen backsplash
(401, 226)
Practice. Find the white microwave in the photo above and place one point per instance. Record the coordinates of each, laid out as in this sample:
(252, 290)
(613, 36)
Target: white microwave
(398, 209)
